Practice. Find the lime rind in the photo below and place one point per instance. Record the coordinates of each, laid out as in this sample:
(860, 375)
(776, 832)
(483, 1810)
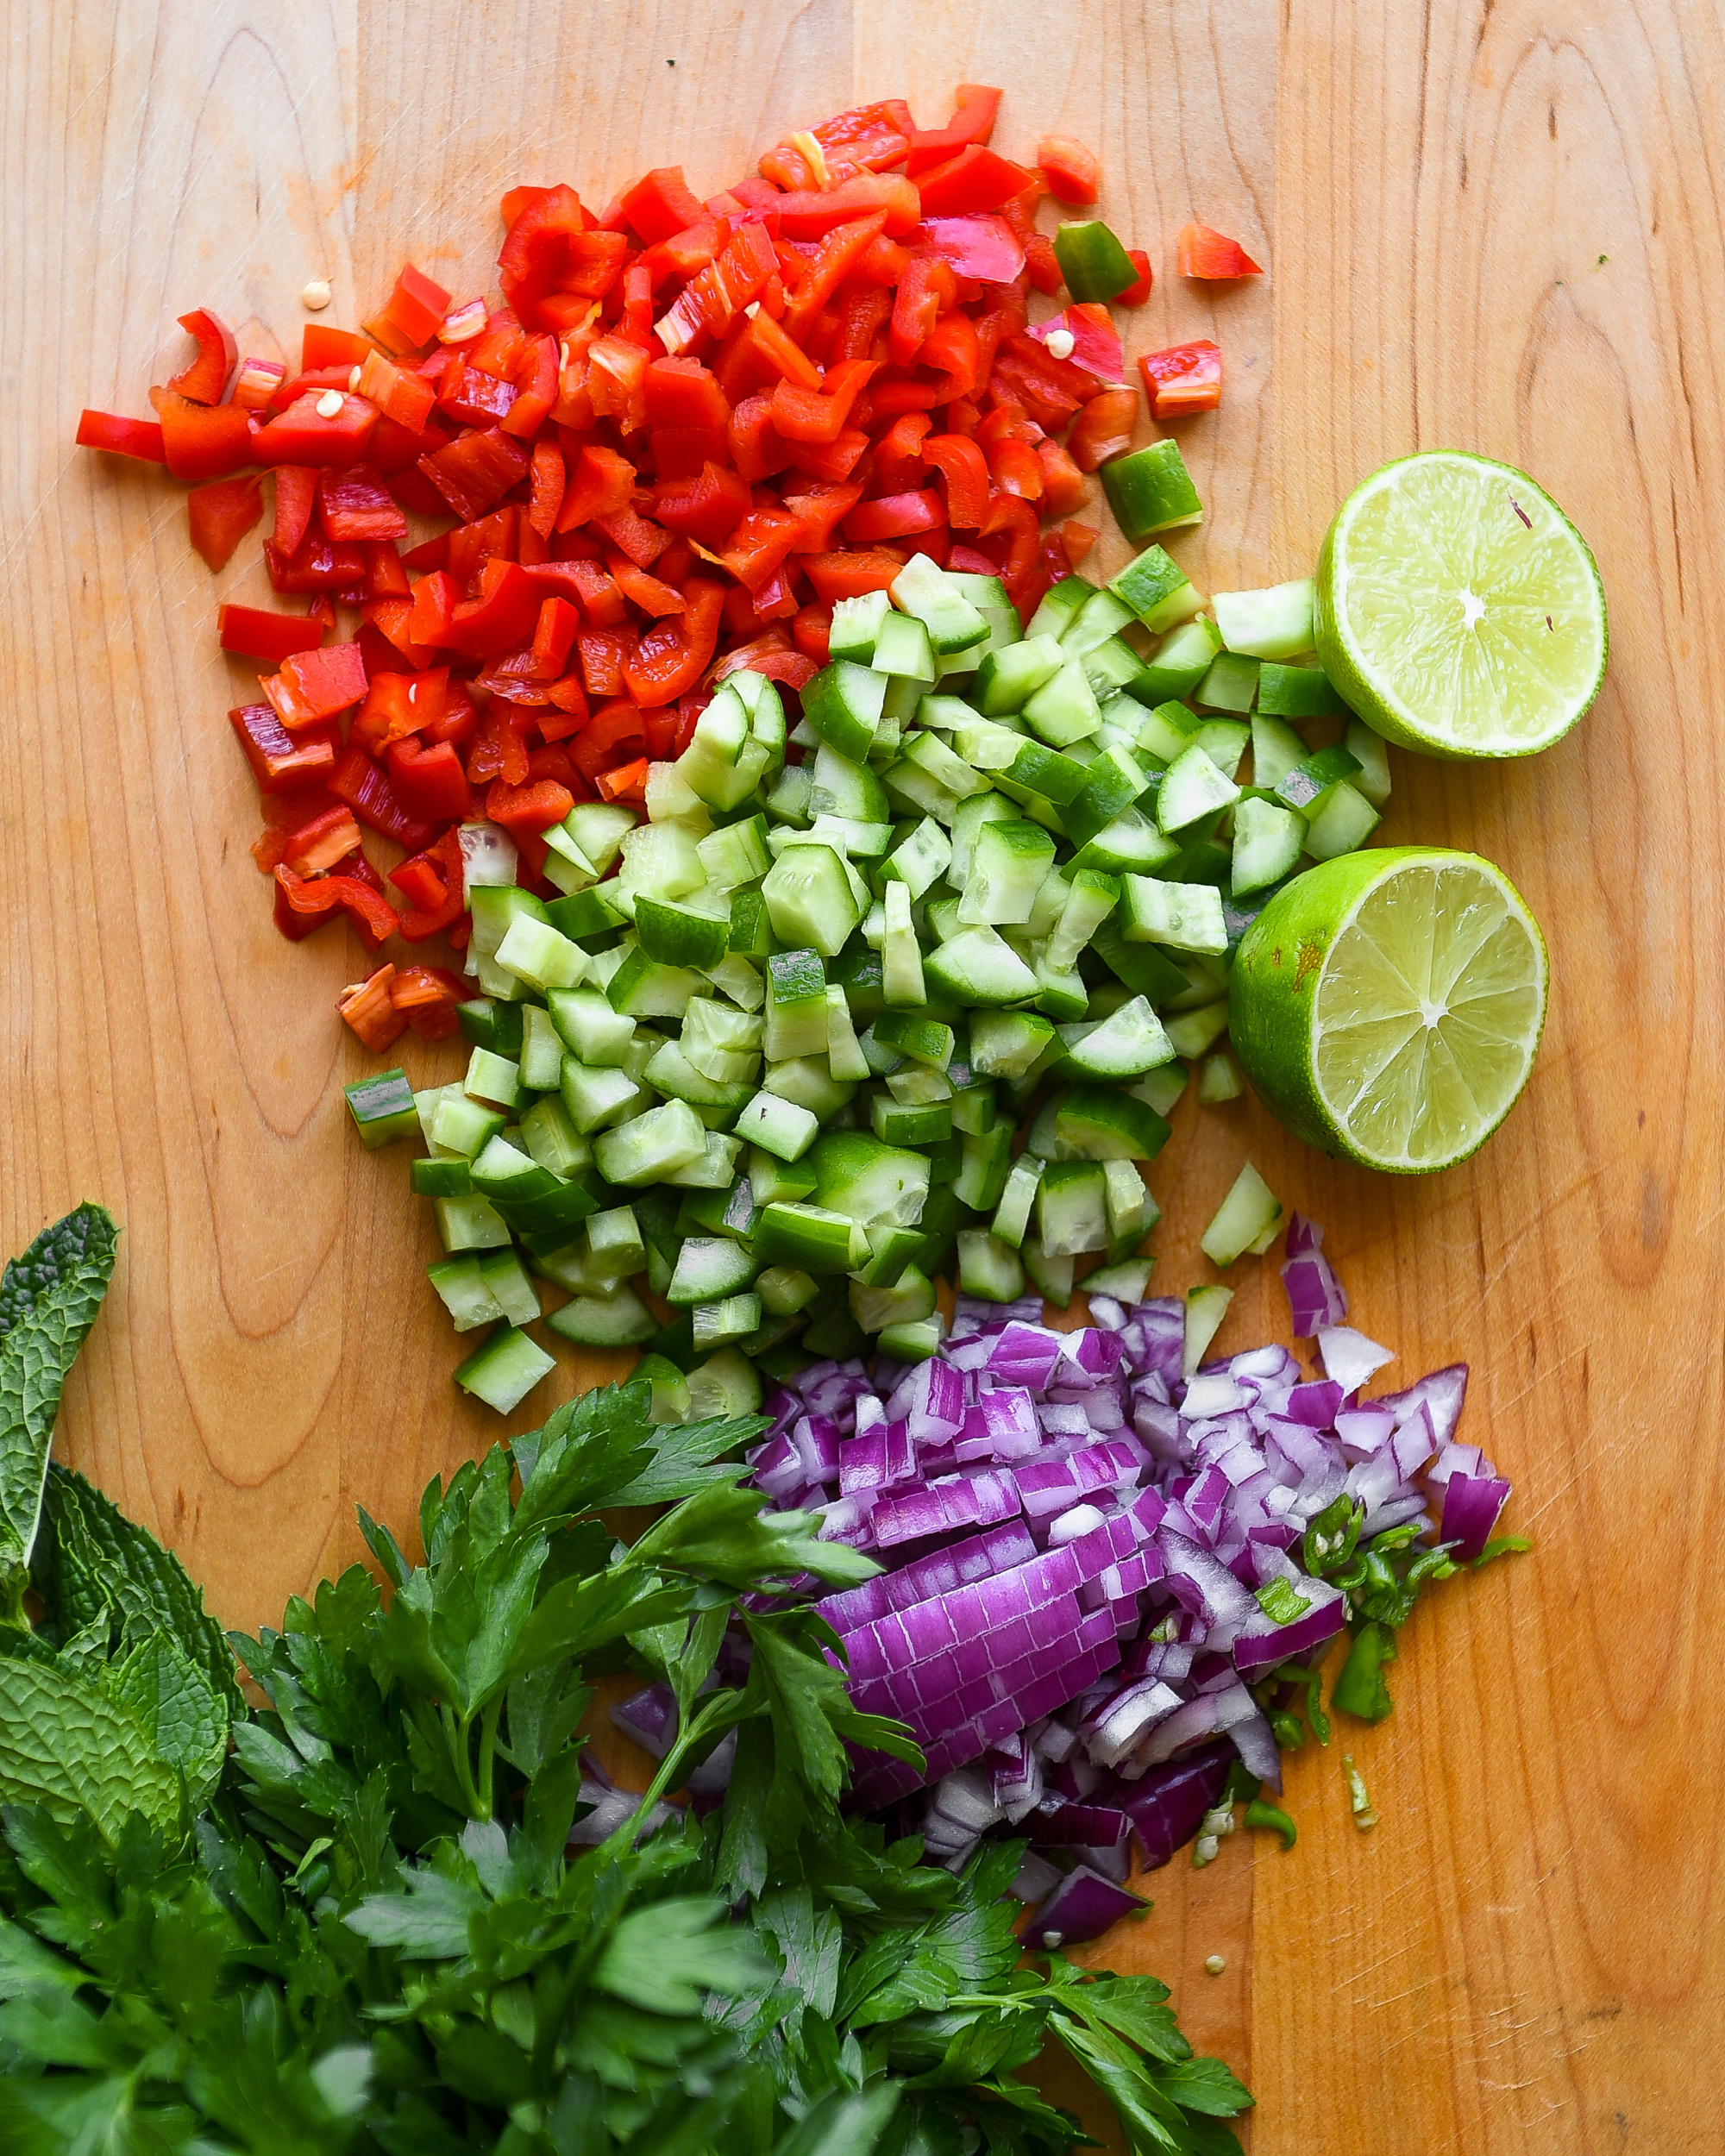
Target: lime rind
(1459, 610)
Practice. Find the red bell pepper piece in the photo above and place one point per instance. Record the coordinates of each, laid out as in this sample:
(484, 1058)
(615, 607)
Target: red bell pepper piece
(427, 996)
(601, 482)
(888, 398)
(1135, 295)
(493, 538)
(822, 508)
(533, 808)
(1212, 255)
(633, 534)
(435, 598)
(1077, 540)
(955, 347)
(840, 253)
(881, 262)
(513, 678)
(627, 782)
(617, 381)
(613, 726)
(321, 346)
(873, 137)
(680, 452)
(983, 247)
(707, 509)
(536, 385)
(261, 635)
(476, 398)
(222, 514)
(257, 382)
(976, 179)
(501, 617)
(545, 481)
(281, 761)
(1103, 429)
(839, 575)
(428, 781)
(203, 442)
(367, 1009)
(535, 252)
(355, 504)
(315, 379)
(684, 393)
(660, 205)
(412, 315)
(1063, 483)
(756, 449)
(965, 470)
(1051, 390)
(1096, 341)
(589, 585)
(207, 376)
(685, 253)
(399, 703)
(399, 393)
(812, 632)
(554, 637)
(894, 516)
(762, 540)
(812, 217)
(303, 435)
(898, 460)
(828, 461)
(359, 783)
(1185, 379)
(650, 594)
(318, 567)
(1073, 172)
(746, 612)
(803, 415)
(360, 897)
(661, 731)
(422, 879)
(1015, 468)
(474, 472)
(314, 685)
(296, 497)
(498, 751)
(1008, 513)
(602, 651)
(972, 120)
(711, 301)
(139, 438)
(672, 655)
(314, 847)
(928, 284)
(385, 573)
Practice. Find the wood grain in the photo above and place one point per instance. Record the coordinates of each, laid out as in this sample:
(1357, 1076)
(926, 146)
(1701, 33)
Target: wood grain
(1496, 226)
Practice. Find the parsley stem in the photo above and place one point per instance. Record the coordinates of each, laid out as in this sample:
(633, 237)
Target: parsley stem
(488, 1721)
(455, 1735)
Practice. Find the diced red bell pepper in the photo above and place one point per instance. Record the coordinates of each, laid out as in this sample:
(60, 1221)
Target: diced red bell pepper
(894, 516)
(898, 460)
(672, 654)
(984, 247)
(636, 535)
(296, 497)
(839, 254)
(503, 615)
(1212, 255)
(498, 750)
(659, 205)
(322, 345)
(685, 253)
(1073, 172)
(385, 573)
(535, 387)
(1185, 379)
(1015, 468)
(954, 347)
(710, 301)
(546, 482)
(474, 397)
(413, 313)
(399, 703)
(840, 575)
(822, 507)
(748, 612)
(1051, 390)
(316, 847)
(890, 398)
(614, 725)
(435, 598)
(554, 637)
(601, 482)
(802, 415)
(811, 632)
(222, 514)
(812, 217)
(207, 376)
(828, 460)
(874, 136)
(281, 761)
(359, 898)
(684, 393)
(259, 633)
(589, 585)
(359, 783)
(603, 652)
(493, 538)
(139, 438)
(1103, 429)
(399, 393)
(314, 685)
(1135, 295)
(1077, 539)
(428, 781)
(707, 509)
(318, 567)
(756, 449)
(650, 594)
(303, 435)
(203, 442)
(973, 121)
(1063, 483)
(626, 782)
(513, 678)
(1096, 341)
(355, 504)
(927, 286)
(1008, 514)
(257, 382)
(535, 252)
(976, 179)
(474, 472)
(427, 997)
(533, 808)
(422, 879)
(762, 540)
(965, 470)
(366, 1007)
(617, 382)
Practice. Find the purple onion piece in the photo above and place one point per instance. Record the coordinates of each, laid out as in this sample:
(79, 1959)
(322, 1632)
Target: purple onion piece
(1471, 1504)
(1082, 1907)
(1167, 1807)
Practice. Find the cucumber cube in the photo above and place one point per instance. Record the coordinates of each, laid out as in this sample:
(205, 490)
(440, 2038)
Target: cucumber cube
(1060, 607)
(1343, 825)
(989, 1267)
(1160, 594)
(1151, 491)
(1219, 1080)
(1229, 685)
(855, 624)
(778, 1126)
(619, 1319)
(1180, 660)
(653, 1146)
(462, 1289)
(1297, 692)
(1370, 751)
(1268, 842)
(470, 1224)
(1278, 622)
(505, 1280)
(922, 590)
(1275, 749)
(383, 1109)
(902, 649)
(810, 901)
(1064, 709)
(1206, 1307)
(1006, 680)
(535, 952)
(505, 1370)
(1006, 871)
(1192, 787)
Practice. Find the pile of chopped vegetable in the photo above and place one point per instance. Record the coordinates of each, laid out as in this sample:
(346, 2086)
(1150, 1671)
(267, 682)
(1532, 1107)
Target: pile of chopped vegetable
(800, 817)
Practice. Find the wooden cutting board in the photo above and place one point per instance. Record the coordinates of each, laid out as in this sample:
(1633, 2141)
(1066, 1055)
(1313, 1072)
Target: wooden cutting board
(1499, 228)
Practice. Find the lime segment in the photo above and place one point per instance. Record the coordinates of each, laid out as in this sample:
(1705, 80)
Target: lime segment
(1388, 1004)
(1459, 610)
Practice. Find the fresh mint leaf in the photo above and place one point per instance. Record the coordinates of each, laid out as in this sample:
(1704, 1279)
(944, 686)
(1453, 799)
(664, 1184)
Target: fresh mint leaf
(78, 1753)
(97, 1567)
(184, 1721)
(48, 1301)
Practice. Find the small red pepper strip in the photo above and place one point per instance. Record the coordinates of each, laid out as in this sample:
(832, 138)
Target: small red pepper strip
(801, 415)
(1136, 295)
(207, 376)
(314, 685)
(1185, 379)
(1213, 256)
(428, 781)
(965, 469)
(367, 1007)
(895, 516)
(672, 654)
(259, 633)
(203, 442)
(1073, 172)
(359, 783)
(322, 894)
(427, 997)
(973, 121)
(281, 760)
(139, 438)
(222, 513)
(1103, 429)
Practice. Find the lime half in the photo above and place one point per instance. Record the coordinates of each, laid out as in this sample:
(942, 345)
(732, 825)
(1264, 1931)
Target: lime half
(1460, 611)
(1387, 1004)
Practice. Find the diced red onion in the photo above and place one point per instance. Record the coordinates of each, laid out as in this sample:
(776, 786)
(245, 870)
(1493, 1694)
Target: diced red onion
(1315, 1297)
(1350, 1359)
(1471, 1504)
(1083, 1906)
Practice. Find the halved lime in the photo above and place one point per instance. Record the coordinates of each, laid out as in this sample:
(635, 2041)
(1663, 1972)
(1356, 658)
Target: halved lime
(1460, 611)
(1387, 1004)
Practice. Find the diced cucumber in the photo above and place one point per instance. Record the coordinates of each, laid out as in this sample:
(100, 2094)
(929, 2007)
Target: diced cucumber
(809, 1239)
(1307, 785)
(1303, 692)
(915, 1343)
(590, 920)
(494, 1079)
(1006, 680)
(653, 1146)
(670, 1388)
(856, 623)
(1345, 822)
(502, 1170)
(1206, 1307)
(1012, 1216)
(708, 1267)
(778, 1126)
(1230, 684)
(734, 855)
(1127, 1281)
(989, 1267)
(796, 1005)
(1223, 742)
(901, 973)
(908, 1302)
(1180, 660)
(978, 967)
(1095, 1123)
(900, 1123)
(506, 1282)
(842, 707)
(643, 987)
(1184, 915)
(1006, 870)
(1051, 1276)
(1131, 841)
(470, 1224)
(922, 590)
(505, 1369)
(808, 1081)
(810, 899)
(1160, 1089)
(464, 1126)
(734, 976)
(903, 649)
(615, 1240)
(1004, 1043)
(1278, 622)
(1071, 1209)
(464, 1295)
(1276, 749)
(1193, 1031)
(716, 1167)
(495, 907)
(874, 1184)
(1155, 587)
(926, 753)
(1060, 607)
(1371, 753)
(619, 1319)
(661, 859)
(718, 1324)
(927, 1041)
(542, 1049)
(724, 1385)
(1268, 842)
(986, 1163)
(844, 1056)
(535, 952)
(1151, 491)
(1192, 787)
(1219, 1080)
(447, 1175)
(920, 858)
(597, 828)
(383, 1109)
(1113, 780)
(784, 1292)
(788, 799)
(1125, 1045)
(1064, 709)
(594, 1099)
(1124, 1195)
(680, 935)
